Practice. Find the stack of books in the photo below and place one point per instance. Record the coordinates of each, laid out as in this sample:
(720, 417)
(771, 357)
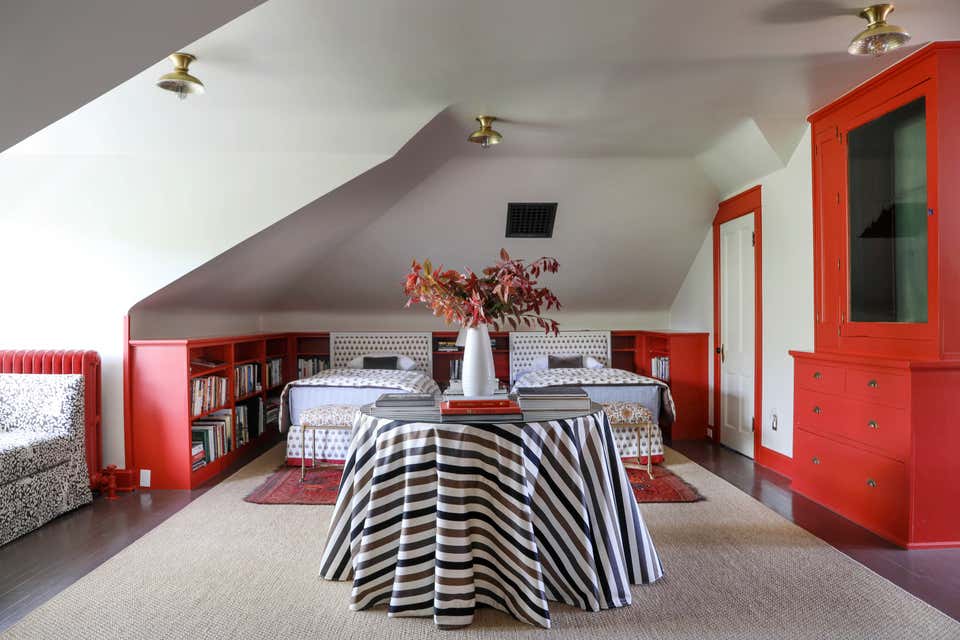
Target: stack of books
(455, 390)
(198, 455)
(485, 409)
(246, 379)
(548, 403)
(420, 406)
(208, 392)
(272, 418)
(448, 345)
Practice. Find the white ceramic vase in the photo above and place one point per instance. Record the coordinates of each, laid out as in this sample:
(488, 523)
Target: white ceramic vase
(478, 373)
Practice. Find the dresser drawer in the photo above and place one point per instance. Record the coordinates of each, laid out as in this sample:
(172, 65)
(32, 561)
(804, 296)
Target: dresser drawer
(876, 425)
(816, 376)
(882, 387)
(868, 488)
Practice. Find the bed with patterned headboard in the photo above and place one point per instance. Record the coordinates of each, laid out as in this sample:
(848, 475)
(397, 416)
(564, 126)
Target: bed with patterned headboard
(344, 347)
(635, 404)
(527, 346)
(331, 397)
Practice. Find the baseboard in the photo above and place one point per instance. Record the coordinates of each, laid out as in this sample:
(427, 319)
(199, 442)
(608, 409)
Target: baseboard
(775, 461)
(950, 544)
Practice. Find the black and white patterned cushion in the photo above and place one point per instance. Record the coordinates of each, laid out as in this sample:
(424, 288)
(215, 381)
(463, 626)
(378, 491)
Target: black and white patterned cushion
(43, 467)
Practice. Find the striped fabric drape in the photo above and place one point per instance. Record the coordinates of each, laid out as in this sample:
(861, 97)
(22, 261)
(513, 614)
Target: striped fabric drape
(436, 519)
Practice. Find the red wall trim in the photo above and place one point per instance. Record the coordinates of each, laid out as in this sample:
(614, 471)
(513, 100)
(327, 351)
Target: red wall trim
(730, 209)
(775, 461)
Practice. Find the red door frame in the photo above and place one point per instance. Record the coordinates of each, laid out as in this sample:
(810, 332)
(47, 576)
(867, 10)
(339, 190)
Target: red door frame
(730, 209)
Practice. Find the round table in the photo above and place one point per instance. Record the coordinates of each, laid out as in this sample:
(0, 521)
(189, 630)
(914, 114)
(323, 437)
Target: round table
(437, 518)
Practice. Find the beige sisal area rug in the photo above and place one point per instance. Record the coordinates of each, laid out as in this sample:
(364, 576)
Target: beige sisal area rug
(225, 568)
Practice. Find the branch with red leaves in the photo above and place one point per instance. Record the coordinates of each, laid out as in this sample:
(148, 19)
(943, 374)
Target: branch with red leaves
(505, 294)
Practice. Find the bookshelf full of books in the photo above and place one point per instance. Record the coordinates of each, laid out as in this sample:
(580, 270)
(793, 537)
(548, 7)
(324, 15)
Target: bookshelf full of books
(202, 407)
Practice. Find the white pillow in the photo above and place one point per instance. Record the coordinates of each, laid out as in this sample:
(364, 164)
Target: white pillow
(592, 363)
(403, 362)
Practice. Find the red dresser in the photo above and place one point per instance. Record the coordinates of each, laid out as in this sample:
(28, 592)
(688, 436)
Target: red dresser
(878, 441)
(877, 405)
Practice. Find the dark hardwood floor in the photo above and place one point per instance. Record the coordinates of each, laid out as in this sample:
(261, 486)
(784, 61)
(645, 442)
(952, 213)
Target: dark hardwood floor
(933, 575)
(37, 566)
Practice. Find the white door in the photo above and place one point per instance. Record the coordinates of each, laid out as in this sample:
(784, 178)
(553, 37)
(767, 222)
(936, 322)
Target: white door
(737, 302)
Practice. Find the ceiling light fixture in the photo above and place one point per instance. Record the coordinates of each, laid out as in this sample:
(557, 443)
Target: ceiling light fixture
(179, 81)
(879, 37)
(485, 135)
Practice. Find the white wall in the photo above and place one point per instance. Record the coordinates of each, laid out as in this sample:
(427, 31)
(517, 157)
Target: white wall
(87, 236)
(787, 272)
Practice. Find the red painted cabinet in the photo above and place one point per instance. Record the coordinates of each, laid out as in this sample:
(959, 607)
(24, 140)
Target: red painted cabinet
(876, 406)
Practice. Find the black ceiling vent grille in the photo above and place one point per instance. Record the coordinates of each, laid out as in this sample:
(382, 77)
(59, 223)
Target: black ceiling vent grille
(531, 219)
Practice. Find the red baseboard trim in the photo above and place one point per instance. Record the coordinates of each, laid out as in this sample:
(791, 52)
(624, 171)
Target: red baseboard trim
(950, 544)
(775, 461)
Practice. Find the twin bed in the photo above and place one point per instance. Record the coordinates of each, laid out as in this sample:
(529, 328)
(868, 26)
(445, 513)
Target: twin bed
(635, 404)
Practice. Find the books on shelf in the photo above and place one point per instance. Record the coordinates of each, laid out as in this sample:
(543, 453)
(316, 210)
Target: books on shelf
(456, 370)
(246, 379)
(271, 413)
(250, 420)
(215, 434)
(207, 393)
(274, 372)
(311, 365)
(448, 345)
(205, 363)
(569, 398)
(406, 400)
(660, 367)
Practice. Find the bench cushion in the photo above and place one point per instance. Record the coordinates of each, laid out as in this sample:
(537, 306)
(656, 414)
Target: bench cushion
(628, 413)
(331, 415)
(24, 453)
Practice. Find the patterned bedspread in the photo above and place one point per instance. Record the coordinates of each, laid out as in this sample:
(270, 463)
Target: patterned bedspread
(412, 381)
(599, 378)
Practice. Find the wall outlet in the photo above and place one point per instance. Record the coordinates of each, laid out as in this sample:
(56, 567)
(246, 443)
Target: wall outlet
(144, 477)
(774, 420)
(709, 432)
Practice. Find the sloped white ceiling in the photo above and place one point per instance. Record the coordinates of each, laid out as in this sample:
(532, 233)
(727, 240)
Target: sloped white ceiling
(56, 55)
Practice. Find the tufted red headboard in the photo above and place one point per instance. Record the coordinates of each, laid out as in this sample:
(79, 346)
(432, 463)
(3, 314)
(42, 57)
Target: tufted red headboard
(85, 363)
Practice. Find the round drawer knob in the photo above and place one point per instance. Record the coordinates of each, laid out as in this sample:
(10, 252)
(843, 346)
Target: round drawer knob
(873, 424)
(871, 483)
(816, 460)
(873, 384)
(817, 375)
(817, 410)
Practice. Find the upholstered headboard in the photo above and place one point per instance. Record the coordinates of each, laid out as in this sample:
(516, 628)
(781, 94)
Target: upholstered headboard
(525, 346)
(344, 347)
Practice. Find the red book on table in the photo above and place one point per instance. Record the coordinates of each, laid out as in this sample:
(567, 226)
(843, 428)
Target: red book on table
(480, 404)
(509, 407)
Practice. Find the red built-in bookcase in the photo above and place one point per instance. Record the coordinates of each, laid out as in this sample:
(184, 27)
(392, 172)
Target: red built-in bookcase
(689, 372)
(159, 379)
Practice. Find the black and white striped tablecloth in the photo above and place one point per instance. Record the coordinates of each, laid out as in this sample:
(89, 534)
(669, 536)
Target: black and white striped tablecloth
(436, 519)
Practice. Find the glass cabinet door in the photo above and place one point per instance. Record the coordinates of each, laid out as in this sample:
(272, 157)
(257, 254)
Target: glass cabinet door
(887, 217)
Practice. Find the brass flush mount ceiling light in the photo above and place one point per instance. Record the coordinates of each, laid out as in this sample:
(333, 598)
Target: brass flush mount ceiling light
(485, 135)
(879, 37)
(179, 81)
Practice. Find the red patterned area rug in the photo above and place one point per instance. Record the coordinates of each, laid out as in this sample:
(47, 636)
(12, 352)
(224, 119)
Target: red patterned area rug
(320, 486)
